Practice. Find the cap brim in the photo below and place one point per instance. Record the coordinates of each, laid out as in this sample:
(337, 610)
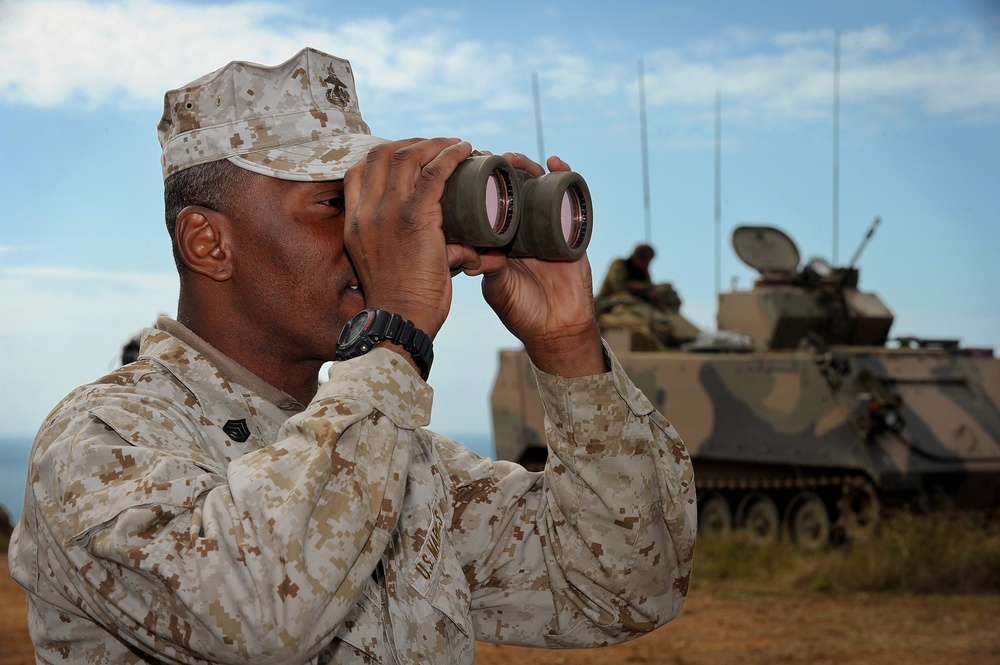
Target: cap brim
(326, 159)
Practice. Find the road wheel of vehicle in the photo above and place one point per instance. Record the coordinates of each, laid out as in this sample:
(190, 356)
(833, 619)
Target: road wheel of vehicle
(759, 518)
(715, 518)
(860, 512)
(809, 525)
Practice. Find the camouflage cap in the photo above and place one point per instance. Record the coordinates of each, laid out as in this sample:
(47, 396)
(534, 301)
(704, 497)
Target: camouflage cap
(295, 121)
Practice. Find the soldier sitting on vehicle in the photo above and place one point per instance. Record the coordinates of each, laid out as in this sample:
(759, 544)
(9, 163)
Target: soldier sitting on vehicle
(629, 299)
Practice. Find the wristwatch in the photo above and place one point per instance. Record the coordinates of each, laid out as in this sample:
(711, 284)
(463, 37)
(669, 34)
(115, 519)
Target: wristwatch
(371, 326)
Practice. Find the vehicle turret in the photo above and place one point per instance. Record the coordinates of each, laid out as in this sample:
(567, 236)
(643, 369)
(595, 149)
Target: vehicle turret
(788, 305)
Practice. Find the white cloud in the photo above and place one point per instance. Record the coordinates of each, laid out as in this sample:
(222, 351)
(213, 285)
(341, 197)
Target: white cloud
(127, 52)
(938, 71)
(77, 275)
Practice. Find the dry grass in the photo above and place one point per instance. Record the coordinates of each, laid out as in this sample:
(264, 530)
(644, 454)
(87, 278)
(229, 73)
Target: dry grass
(927, 554)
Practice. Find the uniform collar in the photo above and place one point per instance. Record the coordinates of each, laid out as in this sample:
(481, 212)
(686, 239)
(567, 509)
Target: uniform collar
(229, 369)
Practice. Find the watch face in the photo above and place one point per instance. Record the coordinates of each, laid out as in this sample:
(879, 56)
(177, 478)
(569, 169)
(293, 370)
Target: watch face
(356, 326)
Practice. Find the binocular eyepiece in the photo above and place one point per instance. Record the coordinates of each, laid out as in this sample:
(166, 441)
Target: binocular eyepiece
(488, 203)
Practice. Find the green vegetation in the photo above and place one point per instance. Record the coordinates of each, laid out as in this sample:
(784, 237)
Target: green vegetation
(914, 554)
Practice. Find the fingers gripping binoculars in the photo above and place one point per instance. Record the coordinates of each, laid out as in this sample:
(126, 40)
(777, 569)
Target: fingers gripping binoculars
(487, 203)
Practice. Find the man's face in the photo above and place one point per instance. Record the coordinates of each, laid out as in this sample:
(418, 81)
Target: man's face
(295, 281)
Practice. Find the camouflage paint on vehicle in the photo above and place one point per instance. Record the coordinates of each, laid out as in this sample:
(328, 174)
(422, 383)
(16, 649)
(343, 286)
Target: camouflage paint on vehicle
(820, 422)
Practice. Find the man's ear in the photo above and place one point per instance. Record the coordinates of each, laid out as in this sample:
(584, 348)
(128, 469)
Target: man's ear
(202, 242)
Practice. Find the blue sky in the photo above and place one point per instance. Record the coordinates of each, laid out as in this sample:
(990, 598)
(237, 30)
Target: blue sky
(84, 260)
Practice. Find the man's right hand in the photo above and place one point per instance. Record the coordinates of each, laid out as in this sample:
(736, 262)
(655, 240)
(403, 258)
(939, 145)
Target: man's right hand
(393, 228)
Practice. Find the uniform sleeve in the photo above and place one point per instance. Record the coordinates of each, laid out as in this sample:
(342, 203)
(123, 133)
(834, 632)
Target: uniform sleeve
(596, 549)
(257, 562)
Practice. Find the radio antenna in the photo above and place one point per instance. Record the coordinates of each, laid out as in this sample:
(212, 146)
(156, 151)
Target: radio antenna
(836, 143)
(645, 152)
(538, 118)
(718, 193)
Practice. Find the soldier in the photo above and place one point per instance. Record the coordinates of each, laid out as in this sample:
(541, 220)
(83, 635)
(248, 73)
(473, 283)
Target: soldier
(630, 276)
(212, 502)
(628, 298)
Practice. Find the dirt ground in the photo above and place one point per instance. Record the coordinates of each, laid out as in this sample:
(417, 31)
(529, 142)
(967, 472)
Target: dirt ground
(722, 625)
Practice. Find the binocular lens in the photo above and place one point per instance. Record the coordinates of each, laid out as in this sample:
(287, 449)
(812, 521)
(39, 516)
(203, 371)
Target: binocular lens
(480, 202)
(556, 216)
(573, 216)
(499, 203)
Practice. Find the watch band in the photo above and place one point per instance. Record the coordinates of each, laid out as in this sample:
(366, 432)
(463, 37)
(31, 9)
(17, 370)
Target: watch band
(380, 325)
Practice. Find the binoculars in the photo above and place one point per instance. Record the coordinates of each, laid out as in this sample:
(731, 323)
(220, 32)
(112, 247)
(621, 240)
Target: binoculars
(487, 203)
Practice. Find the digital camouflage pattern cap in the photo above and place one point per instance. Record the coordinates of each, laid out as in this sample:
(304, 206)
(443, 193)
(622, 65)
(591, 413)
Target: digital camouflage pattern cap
(296, 121)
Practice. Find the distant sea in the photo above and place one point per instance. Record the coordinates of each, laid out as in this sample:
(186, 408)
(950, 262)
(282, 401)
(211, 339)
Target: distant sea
(13, 473)
(14, 452)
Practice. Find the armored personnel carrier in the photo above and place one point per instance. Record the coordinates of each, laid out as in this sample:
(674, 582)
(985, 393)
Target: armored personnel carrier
(814, 421)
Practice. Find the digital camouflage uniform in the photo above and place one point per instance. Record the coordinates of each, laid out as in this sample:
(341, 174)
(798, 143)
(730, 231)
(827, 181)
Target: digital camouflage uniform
(183, 508)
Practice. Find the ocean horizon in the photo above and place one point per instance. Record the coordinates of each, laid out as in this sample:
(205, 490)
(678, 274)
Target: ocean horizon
(14, 452)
